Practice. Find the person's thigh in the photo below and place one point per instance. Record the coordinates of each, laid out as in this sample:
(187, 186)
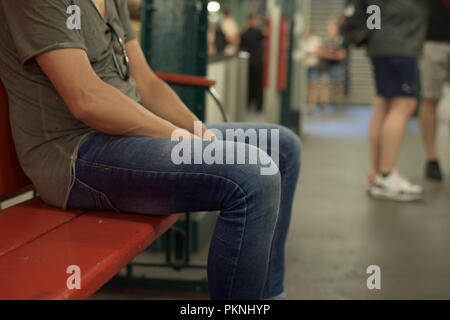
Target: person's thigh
(160, 176)
(434, 69)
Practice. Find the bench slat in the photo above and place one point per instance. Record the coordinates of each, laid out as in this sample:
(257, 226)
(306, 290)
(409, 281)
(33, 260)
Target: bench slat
(29, 220)
(100, 243)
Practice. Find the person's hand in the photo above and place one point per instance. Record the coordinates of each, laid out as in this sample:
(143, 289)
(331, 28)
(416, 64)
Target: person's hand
(208, 134)
(193, 136)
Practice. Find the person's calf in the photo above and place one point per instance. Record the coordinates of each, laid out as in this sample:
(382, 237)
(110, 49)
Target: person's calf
(428, 122)
(393, 132)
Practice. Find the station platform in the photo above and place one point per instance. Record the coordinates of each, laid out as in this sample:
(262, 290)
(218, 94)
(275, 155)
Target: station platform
(338, 231)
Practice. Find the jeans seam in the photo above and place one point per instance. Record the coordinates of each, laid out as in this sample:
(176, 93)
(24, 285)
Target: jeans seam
(97, 192)
(233, 276)
(102, 166)
(271, 258)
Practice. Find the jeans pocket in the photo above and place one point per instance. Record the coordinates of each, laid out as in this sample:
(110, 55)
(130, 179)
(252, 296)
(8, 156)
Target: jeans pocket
(83, 196)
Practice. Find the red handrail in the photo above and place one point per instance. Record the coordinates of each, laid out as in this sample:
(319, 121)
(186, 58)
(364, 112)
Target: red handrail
(186, 80)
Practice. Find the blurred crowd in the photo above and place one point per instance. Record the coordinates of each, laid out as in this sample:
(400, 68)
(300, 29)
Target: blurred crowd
(228, 38)
(410, 58)
(324, 65)
(409, 50)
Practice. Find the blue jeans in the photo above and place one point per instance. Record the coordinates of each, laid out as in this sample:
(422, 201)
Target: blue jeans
(332, 74)
(138, 175)
(313, 74)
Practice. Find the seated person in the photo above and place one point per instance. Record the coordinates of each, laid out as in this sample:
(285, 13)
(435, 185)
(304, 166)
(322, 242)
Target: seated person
(92, 129)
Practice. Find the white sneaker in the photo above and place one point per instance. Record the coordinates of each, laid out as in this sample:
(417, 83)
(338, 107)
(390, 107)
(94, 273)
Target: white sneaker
(395, 187)
(370, 180)
(408, 185)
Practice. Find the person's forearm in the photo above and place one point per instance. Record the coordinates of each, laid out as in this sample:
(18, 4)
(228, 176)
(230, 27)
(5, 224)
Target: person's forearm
(160, 99)
(322, 52)
(108, 110)
(338, 55)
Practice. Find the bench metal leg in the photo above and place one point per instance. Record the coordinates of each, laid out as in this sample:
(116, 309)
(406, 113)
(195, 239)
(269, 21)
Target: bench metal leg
(184, 241)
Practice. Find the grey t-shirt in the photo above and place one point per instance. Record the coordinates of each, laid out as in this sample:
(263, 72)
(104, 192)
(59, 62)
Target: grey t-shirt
(46, 135)
(403, 28)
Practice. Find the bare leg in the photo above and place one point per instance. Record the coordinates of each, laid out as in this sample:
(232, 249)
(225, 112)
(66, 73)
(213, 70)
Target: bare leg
(379, 113)
(336, 94)
(393, 131)
(428, 122)
(325, 96)
(312, 95)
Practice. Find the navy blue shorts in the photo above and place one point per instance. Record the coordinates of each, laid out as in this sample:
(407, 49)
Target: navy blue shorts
(313, 74)
(396, 76)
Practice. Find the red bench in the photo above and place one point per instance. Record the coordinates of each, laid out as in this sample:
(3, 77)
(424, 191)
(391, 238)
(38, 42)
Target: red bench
(39, 242)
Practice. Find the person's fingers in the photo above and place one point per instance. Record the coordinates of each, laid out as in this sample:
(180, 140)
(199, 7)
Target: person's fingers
(193, 136)
(209, 135)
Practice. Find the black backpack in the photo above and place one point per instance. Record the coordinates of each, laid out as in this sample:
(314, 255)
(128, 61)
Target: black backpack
(355, 26)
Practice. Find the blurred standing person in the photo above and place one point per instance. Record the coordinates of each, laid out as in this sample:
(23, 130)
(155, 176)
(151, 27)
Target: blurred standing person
(252, 41)
(313, 43)
(331, 54)
(230, 29)
(435, 70)
(339, 20)
(220, 40)
(394, 50)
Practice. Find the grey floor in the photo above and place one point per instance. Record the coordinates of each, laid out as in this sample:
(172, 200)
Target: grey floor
(337, 231)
